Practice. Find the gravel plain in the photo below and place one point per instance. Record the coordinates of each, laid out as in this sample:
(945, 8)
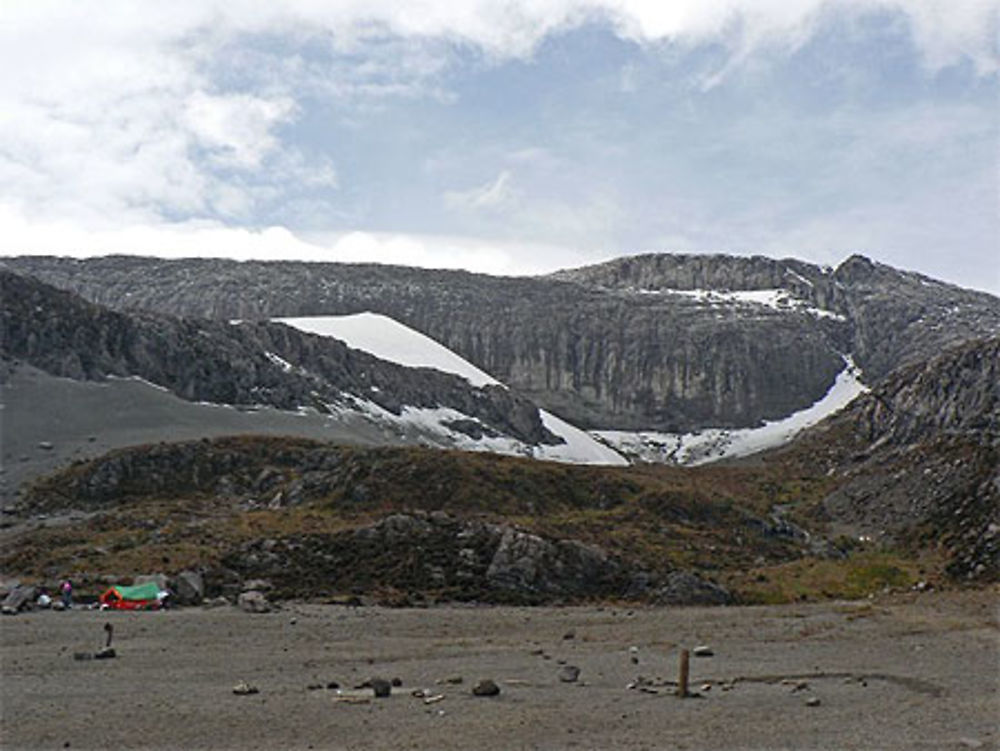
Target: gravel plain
(913, 671)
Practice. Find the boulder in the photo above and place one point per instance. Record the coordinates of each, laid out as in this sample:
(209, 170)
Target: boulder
(253, 601)
(190, 588)
(22, 597)
(685, 588)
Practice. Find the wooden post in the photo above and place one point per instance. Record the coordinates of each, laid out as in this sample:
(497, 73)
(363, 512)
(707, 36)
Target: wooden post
(682, 680)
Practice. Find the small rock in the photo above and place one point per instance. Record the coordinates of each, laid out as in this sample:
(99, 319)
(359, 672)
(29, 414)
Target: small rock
(702, 650)
(485, 687)
(571, 634)
(569, 673)
(705, 687)
(453, 679)
(45, 445)
(381, 687)
(105, 653)
(396, 682)
(244, 689)
(813, 701)
(314, 687)
(332, 685)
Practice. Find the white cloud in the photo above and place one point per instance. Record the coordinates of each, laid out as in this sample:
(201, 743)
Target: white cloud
(112, 117)
(492, 194)
(235, 128)
(209, 239)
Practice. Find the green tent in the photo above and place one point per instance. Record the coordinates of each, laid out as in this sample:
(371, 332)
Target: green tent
(139, 597)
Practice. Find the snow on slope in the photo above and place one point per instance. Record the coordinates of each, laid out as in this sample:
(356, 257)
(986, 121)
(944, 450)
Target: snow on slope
(776, 299)
(712, 444)
(390, 340)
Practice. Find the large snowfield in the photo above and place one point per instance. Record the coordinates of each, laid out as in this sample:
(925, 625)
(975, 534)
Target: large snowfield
(390, 340)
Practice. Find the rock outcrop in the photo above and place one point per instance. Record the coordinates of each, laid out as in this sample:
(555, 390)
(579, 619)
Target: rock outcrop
(445, 557)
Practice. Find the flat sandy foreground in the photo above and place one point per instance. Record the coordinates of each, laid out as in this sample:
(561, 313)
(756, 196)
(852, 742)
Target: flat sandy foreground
(910, 672)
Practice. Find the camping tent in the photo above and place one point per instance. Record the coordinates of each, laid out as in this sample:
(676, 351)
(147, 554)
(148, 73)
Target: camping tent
(140, 597)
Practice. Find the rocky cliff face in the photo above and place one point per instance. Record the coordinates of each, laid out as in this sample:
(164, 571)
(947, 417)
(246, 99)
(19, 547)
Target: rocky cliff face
(919, 459)
(614, 346)
(248, 364)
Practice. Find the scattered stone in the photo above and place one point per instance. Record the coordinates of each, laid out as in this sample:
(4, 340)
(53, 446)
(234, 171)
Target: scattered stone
(45, 445)
(253, 601)
(245, 689)
(571, 634)
(105, 653)
(332, 685)
(705, 687)
(485, 687)
(83, 656)
(433, 699)
(569, 673)
(813, 701)
(633, 653)
(971, 742)
(215, 602)
(453, 679)
(314, 687)
(381, 687)
(396, 682)
(58, 605)
(800, 686)
(702, 650)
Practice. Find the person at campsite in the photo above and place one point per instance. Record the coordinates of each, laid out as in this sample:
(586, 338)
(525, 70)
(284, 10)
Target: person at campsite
(67, 593)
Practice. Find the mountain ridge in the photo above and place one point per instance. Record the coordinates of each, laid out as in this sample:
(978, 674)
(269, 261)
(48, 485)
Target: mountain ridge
(602, 358)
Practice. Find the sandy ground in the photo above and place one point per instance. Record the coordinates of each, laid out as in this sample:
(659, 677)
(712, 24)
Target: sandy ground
(919, 672)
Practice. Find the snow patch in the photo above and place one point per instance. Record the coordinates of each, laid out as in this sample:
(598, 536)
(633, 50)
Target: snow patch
(776, 299)
(719, 443)
(390, 340)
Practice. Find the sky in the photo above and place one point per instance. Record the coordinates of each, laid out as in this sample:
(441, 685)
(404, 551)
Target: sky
(508, 137)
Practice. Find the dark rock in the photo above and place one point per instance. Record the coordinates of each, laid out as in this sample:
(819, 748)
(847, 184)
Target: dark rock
(105, 653)
(569, 673)
(380, 687)
(190, 588)
(685, 588)
(702, 650)
(486, 687)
